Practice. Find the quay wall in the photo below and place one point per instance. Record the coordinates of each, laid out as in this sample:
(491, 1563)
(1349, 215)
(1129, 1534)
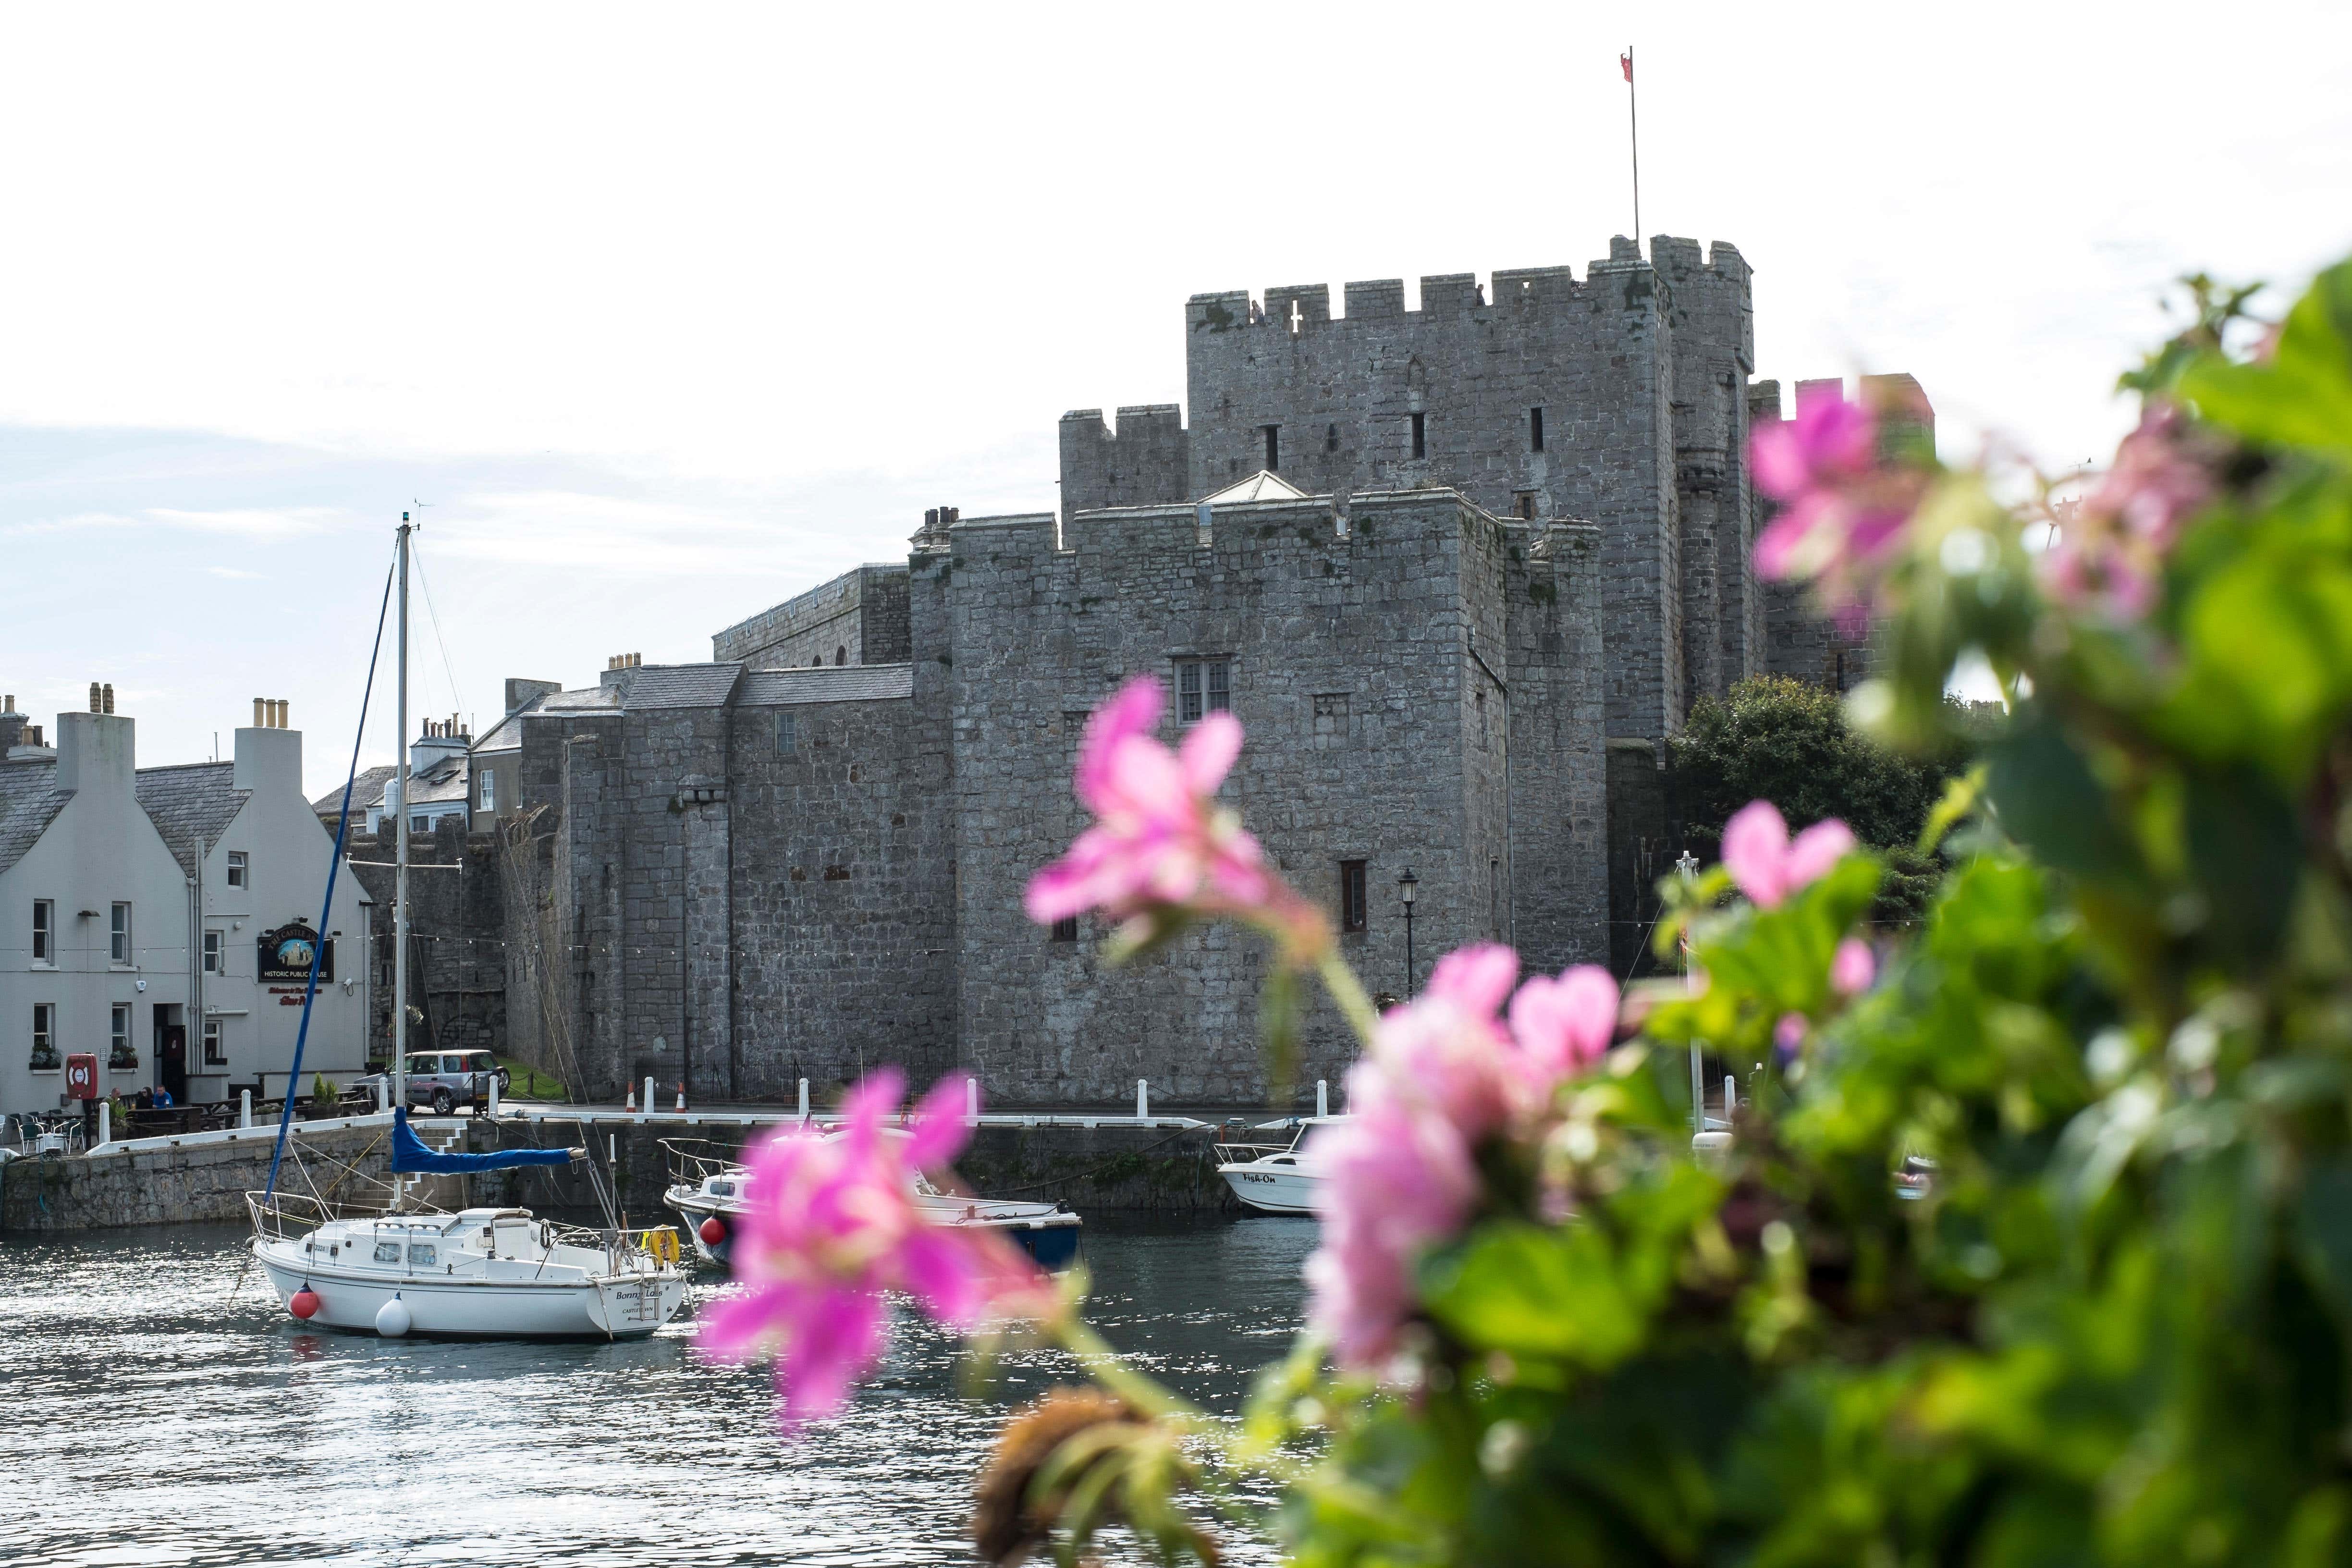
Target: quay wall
(1094, 1170)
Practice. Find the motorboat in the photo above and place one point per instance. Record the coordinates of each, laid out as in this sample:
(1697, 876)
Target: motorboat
(1277, 1175)
(711, 1193)
(479, 1273)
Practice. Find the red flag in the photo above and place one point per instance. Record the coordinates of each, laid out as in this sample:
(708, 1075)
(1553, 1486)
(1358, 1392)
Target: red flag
(1626, 59)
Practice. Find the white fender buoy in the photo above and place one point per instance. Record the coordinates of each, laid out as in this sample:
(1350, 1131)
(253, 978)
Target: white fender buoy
(392, 1317)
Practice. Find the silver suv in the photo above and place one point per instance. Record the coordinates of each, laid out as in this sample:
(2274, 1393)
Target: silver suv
(446, 1080)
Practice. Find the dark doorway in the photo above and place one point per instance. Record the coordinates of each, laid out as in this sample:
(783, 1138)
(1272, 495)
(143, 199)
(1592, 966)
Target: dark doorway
(172, 1062)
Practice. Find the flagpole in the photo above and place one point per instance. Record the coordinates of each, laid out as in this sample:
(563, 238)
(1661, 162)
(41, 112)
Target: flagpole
(1633, 114)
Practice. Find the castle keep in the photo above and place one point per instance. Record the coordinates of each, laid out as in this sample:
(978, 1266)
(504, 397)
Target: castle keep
(1459, 570)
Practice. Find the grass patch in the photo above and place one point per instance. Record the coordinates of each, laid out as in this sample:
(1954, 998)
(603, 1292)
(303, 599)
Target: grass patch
(530, 1082)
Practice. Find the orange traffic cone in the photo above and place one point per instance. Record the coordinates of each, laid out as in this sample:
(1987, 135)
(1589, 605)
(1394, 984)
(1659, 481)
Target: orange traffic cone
(633, 1098)
(681, 1096)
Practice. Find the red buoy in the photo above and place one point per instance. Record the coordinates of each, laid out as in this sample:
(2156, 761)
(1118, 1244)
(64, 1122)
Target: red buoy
(713, 1231)
(305, 1303)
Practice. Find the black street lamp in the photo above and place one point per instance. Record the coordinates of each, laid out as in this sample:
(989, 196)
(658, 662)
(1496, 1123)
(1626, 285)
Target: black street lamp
(1408, 886)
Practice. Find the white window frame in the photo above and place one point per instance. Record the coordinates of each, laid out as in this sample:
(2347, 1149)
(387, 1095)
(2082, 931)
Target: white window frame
(45, 932)
(215, 950)
(122, 949)
(216, 1043)
(44, 1026)
(1203, 686)
(117, 1030)
(240, 870)
(418, 822)
(490, 789)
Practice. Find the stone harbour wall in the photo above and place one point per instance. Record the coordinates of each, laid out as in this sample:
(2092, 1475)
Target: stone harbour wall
(178, 1187)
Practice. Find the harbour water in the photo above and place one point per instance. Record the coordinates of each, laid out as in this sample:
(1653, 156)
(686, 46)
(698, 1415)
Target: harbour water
(148, 1416)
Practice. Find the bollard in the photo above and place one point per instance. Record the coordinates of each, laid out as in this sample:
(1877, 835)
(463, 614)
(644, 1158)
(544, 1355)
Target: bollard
(650, 1094)
(1142, 1100)
(383, 1093)
(105, 1123)
(631, 1103)
(681, 1096)
(245, 1106)
(1730, 1097)
(1322, 1098)
(494, 1094)
(804, 1099)
(971, 1099)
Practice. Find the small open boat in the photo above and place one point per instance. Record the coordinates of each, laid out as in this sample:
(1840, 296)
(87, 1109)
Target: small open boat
(709, 1192)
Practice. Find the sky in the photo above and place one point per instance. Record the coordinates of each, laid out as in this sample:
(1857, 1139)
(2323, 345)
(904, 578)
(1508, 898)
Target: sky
(654, 317)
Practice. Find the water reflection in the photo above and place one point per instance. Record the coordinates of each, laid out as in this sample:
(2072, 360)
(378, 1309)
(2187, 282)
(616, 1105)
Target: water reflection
(152, 1417)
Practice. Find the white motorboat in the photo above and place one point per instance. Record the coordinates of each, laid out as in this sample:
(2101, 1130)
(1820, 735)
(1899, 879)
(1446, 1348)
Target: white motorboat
(477, 1273)
(1275, 1177)
(710, 1194)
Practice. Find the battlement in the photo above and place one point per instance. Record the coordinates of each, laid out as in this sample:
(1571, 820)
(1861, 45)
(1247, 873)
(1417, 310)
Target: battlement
(1295, 309)
(1144, 461)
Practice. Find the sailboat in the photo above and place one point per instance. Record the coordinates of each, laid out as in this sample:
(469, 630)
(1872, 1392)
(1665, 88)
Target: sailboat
(402, 1266)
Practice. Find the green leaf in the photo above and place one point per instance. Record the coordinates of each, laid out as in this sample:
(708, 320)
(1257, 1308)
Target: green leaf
(1528, 1291)
(2303, 397)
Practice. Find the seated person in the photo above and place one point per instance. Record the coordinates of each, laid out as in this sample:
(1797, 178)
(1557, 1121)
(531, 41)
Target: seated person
(143, 1100)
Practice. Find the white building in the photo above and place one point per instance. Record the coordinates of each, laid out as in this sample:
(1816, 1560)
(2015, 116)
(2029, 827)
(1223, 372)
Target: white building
(111, 945)
(439, 782)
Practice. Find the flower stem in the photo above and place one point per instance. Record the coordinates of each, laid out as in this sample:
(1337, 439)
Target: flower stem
(1348, 993)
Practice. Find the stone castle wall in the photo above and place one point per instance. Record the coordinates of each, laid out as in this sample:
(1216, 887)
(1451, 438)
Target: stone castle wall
(859, 617)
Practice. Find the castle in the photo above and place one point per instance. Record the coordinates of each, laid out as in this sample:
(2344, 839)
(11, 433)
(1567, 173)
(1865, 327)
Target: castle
(1460, 570)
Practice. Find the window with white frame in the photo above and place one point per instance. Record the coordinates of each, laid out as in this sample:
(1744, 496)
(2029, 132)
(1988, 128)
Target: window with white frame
(239, 869)
(1203, 686)
(44, 927)
(121, 951)
(119, 1053)
(215, 1049)
(44, 1036)
(490, 789)
(420, 825)
(212, 952)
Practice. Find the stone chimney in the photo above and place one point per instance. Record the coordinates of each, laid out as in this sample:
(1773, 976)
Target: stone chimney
(268, 756)
(11, 725)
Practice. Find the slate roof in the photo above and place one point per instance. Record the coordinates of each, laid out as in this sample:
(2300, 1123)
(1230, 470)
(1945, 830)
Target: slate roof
(506, 735)
(680, 686)
(841, 683)
(367, 789)
(29, 801)
(188, 802)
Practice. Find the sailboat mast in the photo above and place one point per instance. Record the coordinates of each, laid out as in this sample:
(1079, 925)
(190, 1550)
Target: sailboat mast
(400, 859)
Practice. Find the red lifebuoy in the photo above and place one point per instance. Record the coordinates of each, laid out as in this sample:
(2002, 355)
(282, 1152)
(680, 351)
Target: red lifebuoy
(712, 1230)
(304, 1303)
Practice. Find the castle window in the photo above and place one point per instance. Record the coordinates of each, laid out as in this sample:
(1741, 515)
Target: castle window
(1528, 505)
(1066, 928)
(1420, 435)
(1535, 429)
(1272, 446)
(1353, 906)
(788, 733)
(1203, 686)
(1332, 438)
(841, 656)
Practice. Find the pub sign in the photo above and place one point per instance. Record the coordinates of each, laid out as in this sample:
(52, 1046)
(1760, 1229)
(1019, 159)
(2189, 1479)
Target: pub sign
(285, 954)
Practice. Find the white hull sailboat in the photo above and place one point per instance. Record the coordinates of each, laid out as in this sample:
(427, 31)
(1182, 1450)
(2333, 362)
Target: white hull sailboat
(395, 1268)
(477, 1273)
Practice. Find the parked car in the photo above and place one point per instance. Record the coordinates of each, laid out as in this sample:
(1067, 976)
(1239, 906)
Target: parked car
(446, 1080)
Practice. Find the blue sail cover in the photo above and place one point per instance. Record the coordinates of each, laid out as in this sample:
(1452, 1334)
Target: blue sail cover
(409, 1153)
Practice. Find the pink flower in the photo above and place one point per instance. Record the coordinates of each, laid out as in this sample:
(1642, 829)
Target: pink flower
(1159, 839)
(1401, 1175)
(833, 1225)
(1565, 1024)
(1852, 967)
(2112, 547)
(1766, 865)
(1789, 1036)
(1398, 1178)
(1843, 510)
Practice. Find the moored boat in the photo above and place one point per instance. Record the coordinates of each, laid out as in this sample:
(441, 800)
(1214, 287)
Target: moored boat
(1275, 1176)
(711, 1193)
